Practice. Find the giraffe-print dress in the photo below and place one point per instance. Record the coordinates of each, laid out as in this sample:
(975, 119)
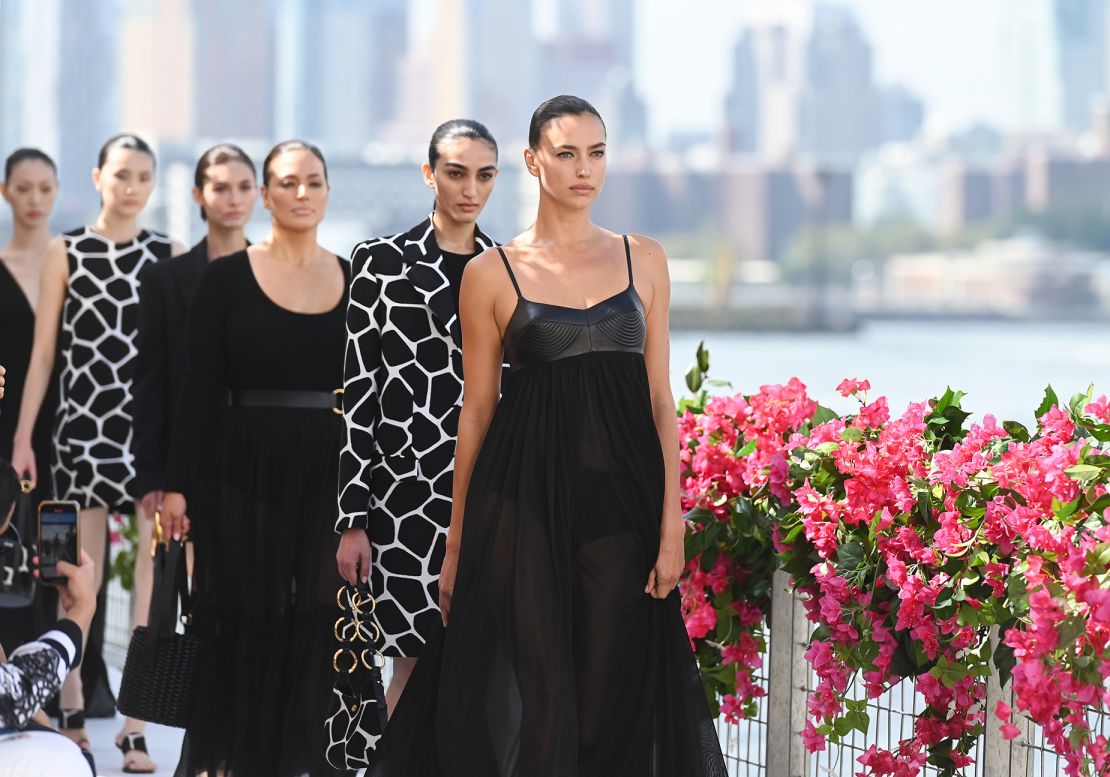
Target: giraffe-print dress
(92, 462)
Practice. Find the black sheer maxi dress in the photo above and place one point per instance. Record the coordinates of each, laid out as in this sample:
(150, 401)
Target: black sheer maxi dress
(260, 482)
(555, 661)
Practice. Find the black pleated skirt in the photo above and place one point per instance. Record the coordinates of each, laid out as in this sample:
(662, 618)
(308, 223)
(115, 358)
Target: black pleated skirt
(265, 575)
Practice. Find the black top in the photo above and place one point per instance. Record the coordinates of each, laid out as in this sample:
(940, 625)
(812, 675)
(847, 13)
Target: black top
(238, 338)
(539, 332)
(453, 266)
(17, 335)
(164, 296)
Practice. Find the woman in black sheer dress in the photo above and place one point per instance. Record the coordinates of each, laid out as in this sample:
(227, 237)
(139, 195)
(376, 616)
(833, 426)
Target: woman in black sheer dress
(565, 654)
(256, 450)
(30, 188)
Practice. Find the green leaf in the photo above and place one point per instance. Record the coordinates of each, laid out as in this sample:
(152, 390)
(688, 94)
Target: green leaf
(827, 448)
(1016, 430)
(823, 415)
(694, 378)
(851, 434)
(1050, 399)
(747, 450)
(1083, 472)
(703, 357)
(1004, 660)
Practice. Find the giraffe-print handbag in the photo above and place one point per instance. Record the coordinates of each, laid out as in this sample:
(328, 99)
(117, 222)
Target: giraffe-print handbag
(357, 715)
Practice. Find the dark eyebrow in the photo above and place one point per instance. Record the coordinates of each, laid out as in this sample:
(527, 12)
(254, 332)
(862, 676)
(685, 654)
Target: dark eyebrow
(455, 164)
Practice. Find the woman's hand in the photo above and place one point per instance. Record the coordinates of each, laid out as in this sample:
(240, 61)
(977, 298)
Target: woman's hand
(23, 460)
(447, 579)
(175, 522)
(668, 566)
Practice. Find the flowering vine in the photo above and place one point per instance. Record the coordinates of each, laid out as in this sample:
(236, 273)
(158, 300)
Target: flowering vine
(911, 539)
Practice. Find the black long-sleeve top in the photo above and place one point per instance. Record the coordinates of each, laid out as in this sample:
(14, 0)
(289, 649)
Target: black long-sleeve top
(166, 289)
(238, 338)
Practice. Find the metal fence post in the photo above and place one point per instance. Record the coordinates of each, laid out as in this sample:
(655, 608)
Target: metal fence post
(786, 683)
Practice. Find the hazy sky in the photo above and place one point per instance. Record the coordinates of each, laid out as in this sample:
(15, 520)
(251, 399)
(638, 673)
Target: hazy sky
(947, 51)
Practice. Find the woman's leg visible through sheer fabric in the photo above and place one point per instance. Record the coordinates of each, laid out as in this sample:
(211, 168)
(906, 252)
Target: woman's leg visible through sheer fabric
(615, 657)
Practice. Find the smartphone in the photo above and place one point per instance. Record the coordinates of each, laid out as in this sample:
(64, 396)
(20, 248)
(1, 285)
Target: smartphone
(59, 538)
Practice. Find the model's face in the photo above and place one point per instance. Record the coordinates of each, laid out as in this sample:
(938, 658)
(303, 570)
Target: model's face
(570, 161)
(125, 181)
(31, 191)
(463, 178)
(297, 194)
(228, 195)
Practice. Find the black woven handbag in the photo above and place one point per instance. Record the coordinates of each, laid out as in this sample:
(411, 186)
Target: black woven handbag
(357, 714)
(17, 548)
(158, 677)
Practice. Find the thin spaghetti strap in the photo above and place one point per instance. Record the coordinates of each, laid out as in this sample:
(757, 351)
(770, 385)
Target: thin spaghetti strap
(628, 258)
(509, 269)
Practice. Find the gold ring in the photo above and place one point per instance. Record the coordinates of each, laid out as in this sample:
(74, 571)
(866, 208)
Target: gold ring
(375, 655)
(337, 630)
(338, 409)
(26, 486)
(335, 661)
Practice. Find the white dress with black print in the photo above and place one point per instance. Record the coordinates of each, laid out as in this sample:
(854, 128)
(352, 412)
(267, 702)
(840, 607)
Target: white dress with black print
(92, 463)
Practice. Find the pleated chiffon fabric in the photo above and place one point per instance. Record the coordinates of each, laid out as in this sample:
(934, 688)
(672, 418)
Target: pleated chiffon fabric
(555, 662)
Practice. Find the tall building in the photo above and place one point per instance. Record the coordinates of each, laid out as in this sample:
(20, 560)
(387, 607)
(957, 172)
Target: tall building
(839, 103)
(743, 100)
(236, 68)
(86, 95)
(499, 58)
(591, 54)
(157, 68)
(1081, 46)
(339, 70)
(1030, 60)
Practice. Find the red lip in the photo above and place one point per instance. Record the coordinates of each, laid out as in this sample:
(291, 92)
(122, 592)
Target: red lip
(34, 214)
(582, 189)
(468, 206)
(302, 211)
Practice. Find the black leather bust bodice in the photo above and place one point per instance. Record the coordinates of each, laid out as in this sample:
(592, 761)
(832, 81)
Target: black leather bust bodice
(539, 332)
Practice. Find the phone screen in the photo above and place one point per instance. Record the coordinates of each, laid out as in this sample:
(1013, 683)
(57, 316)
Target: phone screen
(57, 538)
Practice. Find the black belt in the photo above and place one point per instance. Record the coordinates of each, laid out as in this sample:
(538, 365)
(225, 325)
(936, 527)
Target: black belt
(306, 400)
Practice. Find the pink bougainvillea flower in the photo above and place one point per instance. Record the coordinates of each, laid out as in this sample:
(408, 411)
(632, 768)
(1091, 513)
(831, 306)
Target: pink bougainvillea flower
(850, 386)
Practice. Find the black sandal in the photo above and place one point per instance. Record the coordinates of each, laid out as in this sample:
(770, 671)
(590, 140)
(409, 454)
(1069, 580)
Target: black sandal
(132, 743)
(74, 719)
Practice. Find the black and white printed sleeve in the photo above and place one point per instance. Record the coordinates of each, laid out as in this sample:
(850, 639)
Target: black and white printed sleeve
(361, 405)
(35, 671)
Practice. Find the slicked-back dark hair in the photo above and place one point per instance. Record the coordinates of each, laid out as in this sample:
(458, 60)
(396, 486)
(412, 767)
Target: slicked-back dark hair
(124, 140)
(549, 110)
(291, 145)
(458, 128)
(26, 155)
(220, 154)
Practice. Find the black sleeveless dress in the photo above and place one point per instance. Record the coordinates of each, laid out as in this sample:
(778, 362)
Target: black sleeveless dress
(260, 483)
(555, 661)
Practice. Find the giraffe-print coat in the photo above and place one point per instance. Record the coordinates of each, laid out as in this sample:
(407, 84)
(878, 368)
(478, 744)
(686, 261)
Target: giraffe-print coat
(403, 389)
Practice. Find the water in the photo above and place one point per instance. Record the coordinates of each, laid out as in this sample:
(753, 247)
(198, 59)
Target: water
(1003, 366)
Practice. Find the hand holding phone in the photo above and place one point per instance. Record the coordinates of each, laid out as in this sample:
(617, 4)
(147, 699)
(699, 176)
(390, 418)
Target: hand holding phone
(77, 591)
(59, 538)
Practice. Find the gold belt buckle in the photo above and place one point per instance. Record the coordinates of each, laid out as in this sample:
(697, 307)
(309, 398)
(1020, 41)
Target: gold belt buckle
(338, 409)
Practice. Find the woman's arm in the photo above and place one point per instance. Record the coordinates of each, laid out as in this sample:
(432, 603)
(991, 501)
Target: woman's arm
(651, 266)
(482, 360)
(52, 295)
